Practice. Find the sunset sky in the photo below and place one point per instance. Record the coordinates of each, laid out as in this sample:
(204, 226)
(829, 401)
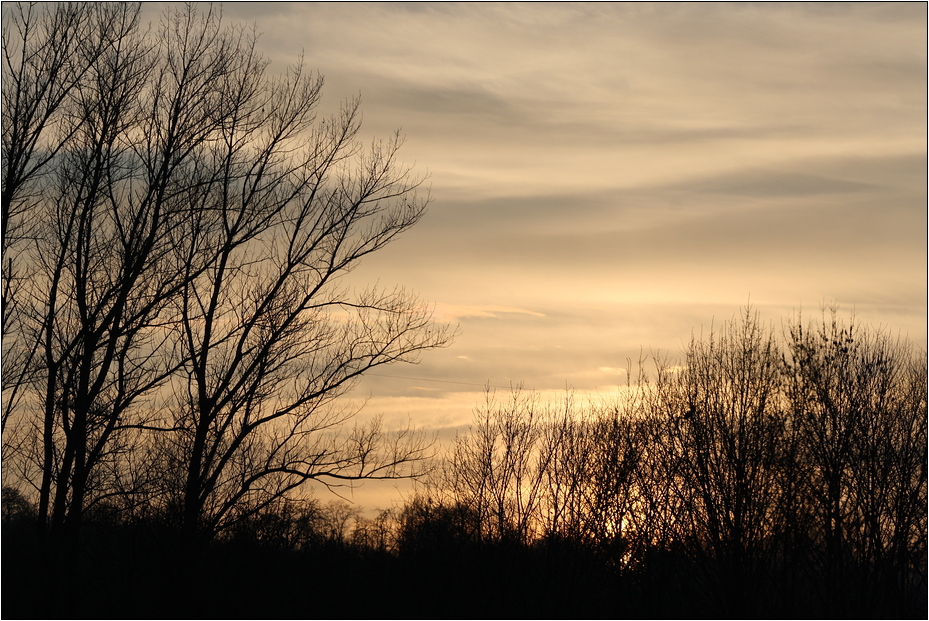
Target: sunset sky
(608, 178)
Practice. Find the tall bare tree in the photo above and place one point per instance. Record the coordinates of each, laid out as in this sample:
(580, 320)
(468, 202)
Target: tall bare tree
(97, 282)
(271, 340)
(193, 218)
(859, 404)
(727, 425)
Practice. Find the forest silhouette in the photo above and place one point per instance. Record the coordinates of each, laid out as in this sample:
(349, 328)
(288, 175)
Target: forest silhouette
(760, 476)
(175, 225)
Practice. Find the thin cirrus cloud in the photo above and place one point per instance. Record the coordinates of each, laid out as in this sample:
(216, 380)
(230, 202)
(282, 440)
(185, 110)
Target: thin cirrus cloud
(453, 312)
(608, 179)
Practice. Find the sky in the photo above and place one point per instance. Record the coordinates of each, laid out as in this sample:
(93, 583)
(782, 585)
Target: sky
(609, 179)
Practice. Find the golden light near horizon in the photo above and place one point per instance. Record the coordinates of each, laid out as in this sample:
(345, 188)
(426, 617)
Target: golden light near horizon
(636, 177)
(493, 309)
(607, 180)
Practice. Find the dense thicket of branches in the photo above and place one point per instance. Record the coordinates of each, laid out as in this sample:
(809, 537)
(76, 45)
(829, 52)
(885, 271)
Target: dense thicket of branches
(175, 223)
(760, 474)
(765, 474)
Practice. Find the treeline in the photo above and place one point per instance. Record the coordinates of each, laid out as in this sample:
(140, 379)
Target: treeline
(760, 475)
(767, 473)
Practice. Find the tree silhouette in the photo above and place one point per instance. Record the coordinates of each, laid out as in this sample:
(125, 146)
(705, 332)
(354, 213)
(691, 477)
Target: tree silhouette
(726, 426)
(859, 409)
(181, 339)
(758, 474)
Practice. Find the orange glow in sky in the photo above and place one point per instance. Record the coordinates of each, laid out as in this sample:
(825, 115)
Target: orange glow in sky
(609, 178)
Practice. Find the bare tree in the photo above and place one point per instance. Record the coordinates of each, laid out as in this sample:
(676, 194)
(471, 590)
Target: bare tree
(41, 67)
(528, 469)
(497, 470)
(756, 474)
(98, 277)
(379, 533)
(588, 457)
(726, 425)
(270, 339)
(190, 335)
(46, 53)
(660, 507)
(859, 404)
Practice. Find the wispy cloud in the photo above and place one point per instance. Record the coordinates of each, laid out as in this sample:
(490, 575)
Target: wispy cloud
(454, 312)
(609, 177)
